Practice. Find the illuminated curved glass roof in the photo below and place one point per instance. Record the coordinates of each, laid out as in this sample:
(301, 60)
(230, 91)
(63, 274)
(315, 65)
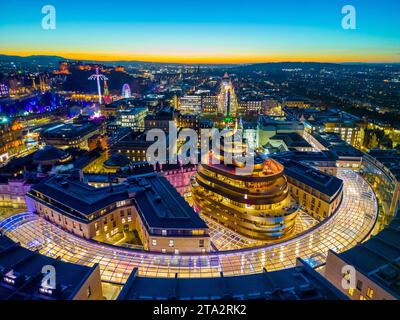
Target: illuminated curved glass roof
(350, 225)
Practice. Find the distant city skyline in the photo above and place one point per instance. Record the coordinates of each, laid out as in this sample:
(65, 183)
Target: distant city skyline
(215, 32)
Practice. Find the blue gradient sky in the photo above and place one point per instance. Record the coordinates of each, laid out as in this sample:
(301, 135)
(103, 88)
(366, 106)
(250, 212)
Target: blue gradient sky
(204, 31)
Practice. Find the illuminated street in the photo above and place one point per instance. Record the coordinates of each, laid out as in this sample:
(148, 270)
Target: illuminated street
(350, 225)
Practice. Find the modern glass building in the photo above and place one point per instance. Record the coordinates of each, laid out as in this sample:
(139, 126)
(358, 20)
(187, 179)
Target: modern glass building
(381, 168)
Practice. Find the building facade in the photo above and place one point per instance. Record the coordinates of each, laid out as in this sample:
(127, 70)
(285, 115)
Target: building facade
(12, 193)
(209, 104)
(381, 169)
(133, 118)
(147, 204)
(190, 104)
(319, 193)
(250, 107)
(75, 135)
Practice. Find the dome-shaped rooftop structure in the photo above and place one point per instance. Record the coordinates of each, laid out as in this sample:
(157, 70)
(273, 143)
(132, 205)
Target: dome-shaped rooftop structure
(116, 161)
(50, 155)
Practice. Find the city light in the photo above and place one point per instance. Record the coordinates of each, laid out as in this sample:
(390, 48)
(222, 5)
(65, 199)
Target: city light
(212, 153)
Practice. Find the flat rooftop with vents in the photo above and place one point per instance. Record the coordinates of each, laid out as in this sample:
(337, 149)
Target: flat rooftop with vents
(155, 199)
(21, 276)
(321, 181)
(299, 283)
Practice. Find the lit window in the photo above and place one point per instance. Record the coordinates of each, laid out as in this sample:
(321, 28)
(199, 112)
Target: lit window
(370, 293)
(154, 242)
(120, 203)
(351, 291)
(171, 243)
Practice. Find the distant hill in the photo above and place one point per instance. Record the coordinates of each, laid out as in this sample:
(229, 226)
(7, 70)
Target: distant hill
(278, 66)
(44, 59)
(306, 66)
(267, 66)
(38, 58)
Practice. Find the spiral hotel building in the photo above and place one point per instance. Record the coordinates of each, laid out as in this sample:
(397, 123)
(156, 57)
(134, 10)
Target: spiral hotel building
(257, 205)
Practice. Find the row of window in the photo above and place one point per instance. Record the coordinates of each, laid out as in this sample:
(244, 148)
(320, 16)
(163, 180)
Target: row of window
(370, 293)
(359, 287)
(171, 243)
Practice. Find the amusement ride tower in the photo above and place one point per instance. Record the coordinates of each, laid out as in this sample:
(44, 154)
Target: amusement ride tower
(97, 76)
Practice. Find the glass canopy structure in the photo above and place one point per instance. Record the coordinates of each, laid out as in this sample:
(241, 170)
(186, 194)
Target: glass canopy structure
(350, 225)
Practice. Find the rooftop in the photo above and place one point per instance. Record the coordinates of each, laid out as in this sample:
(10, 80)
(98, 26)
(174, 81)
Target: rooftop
(292, 140)
(332, 141)
(331, 115)
(307, 156)
(133, 139)
(379, 258)
(69, 130)
(26, 274)
(314, 178)
(69, 192)
(164, 115)
(155, 198)
(299, 283)
(125, 102)
(50, 153)
(117, 160)
(71, 157)
(162, 206)
(267, 121)
(132, 111)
